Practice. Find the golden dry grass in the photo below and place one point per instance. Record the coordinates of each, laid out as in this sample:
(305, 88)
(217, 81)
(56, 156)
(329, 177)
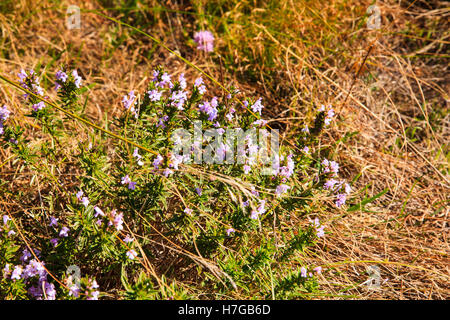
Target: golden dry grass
(406, 231)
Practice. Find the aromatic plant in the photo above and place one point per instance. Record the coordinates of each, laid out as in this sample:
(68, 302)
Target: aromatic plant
(136, 206)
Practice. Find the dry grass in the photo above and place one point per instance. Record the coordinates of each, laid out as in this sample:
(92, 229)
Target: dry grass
(404, 84)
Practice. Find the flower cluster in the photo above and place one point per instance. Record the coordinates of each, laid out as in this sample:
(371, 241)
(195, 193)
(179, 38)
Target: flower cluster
(318, 227)
(305, 274)
(209, 108)
(340, 187)
(129, 101)
(199, 85)
(4, 115)
(257, 106)
(92, 292)
(138, 157)
(261, 209)
(204, 40)
(62, 79)
(329, 113)
(126, 180)
(34, 274)
(30, 82)
(6, 226)
(114, 219)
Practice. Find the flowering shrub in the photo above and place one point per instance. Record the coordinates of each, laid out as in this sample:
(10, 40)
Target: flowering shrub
(139, 219)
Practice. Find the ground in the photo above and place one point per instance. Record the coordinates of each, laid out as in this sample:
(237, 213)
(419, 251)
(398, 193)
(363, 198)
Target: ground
(389, 87)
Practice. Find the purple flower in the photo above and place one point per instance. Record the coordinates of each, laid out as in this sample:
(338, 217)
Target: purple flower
(341, 198)
(4, 113)
(254, 215)
(98, 212)
(199, 85)
(154, 95)
(157, 162)
(53, 222)
(129, 102)
(261, 207)
(54, 242)
(330, 166)
(77, 78)
(178, 99)
(94, 295)
(305, 129)
(188, 211)
(138, 157)
(199, 191)
(128, 239)
(155, 75)
(132, 185)
(257, 106)
(22, 75)
(94, 285)
(165, 79)
(161, 122)
(126, 180)
(347, 188)
(230, 230)
(209, 108)
(25, 255)
(282, 188)
(6, 271)
(34, 268)
(260, 123)
(61, 76)
(319, 232)
(198, 82)
(6, 218)
(319, 229)
(74, 291)
(330, 184)
(303, 272)
(204, 40)
(79, 194)
(334, 166)
(85, 201)
(17, 272)
(38, 106)
(202, 89)
(64, 232)
(131, 254)
(50, 291)
(182, 81)
(117, 220)
(329, 113)
(318, 270)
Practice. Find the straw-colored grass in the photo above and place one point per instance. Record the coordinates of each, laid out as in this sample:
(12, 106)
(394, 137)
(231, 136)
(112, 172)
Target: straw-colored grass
(297, 55)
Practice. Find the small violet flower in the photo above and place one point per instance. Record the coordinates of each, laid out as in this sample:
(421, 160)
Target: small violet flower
(204, 40)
